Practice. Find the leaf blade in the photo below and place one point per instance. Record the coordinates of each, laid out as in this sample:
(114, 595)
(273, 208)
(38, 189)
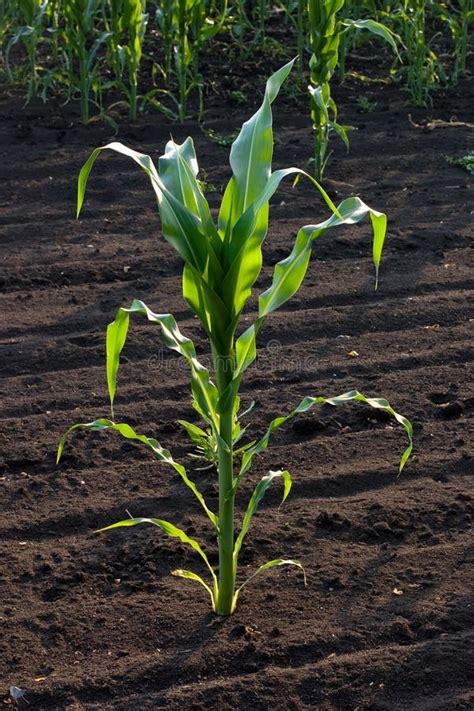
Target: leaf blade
(257, 495)
(160, 452)
(170, 529)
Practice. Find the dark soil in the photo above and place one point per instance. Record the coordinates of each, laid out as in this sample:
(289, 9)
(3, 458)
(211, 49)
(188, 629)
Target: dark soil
(98, 622)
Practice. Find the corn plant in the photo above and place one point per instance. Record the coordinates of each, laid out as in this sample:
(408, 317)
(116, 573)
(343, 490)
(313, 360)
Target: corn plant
(326, 31)
(460, 28)
(379, 11)
(128, 21)
(260, 13)
(30, 34)
(221, 264)
(295, 13)
(423, 71)
(82, 42)
(185, 26)
(458, 16)
(9, 20)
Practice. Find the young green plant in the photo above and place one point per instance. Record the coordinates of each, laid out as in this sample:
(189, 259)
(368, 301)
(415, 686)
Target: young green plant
(30, 35)
(82, 40)
(221, 264)
(185, 27)
(423, 69)
(459, 17)
(326, 32)
(128, 21)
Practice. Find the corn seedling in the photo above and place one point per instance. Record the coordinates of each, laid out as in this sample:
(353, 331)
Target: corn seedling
(423, 70)
(458, 16)
(240, 24)
(221, 264)
(248, 22)
(128, 21)
(185, 26)
(326, 31)
(82, 43)
(30, 34)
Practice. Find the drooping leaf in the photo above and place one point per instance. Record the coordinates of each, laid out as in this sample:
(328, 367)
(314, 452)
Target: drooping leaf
(309, 402)
(245, 255)
(182, 228)
(170, 530)
(204, 390)
(289, 273)
(189, 575)
(257, 496)
(375, 28)
(160, 453)
(267, 566)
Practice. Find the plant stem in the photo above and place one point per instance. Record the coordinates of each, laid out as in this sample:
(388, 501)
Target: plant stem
(301, 38)
(83, 84)
(133, 100)
(225, 596)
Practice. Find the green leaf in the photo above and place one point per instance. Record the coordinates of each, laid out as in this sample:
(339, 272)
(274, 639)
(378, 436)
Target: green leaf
(250, 160)
(257, 496)
(189, 575)
(170, 530)
(319, 103)
(245, 256)
(306, 404)
(195, 433)
(267, 566)
(341, 132)
(204, 390)
(181, 227)
(115, 341)
(178, 172)
(376, 28)
(289, 273)
(160, 453)
(207, 305)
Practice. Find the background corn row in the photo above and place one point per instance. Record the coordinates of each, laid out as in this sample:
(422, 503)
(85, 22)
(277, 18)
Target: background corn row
(108, 54)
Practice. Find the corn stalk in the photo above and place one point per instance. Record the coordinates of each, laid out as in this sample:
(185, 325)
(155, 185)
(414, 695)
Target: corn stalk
(185, 26)
(30, 34)
(128, 21)
(82, 42)
(326, 31)
(459, 17)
